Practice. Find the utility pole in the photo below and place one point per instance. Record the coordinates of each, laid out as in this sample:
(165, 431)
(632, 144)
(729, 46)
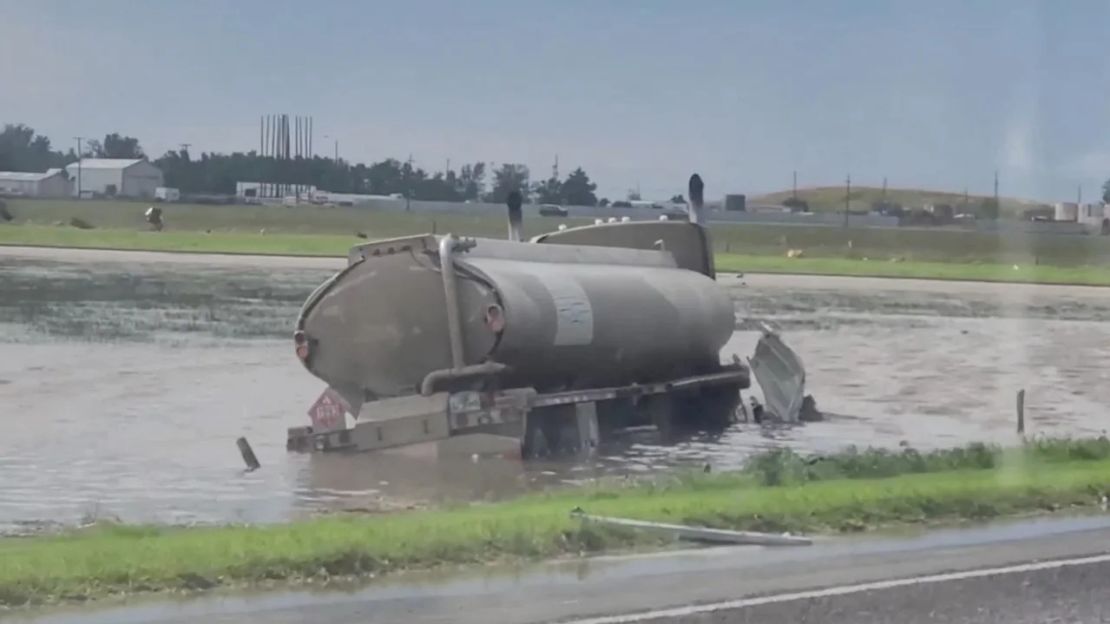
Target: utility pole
(79, 166)
(847, 197)
(794, 187)
(884, 189)
(408, 183)
(996, 187)
(1079, 195)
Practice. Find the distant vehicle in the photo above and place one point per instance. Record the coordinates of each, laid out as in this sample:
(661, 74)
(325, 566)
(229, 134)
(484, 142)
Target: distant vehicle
(552, 210)
(621, 204)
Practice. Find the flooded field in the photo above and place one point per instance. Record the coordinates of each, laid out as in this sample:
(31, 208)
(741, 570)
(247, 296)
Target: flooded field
(125, 379)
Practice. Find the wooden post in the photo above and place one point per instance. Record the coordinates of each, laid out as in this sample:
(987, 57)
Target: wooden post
(249, 457)
(1021, 411)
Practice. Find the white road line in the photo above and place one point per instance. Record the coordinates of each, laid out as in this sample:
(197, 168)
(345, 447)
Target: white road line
(678, 612)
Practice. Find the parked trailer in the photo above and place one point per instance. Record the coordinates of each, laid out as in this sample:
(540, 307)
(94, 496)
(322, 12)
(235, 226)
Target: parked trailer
(553, 341)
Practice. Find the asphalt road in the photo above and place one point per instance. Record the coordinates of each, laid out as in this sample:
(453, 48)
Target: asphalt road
(1026, 572)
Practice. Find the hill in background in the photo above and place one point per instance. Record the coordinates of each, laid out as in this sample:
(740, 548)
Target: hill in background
(831, 199)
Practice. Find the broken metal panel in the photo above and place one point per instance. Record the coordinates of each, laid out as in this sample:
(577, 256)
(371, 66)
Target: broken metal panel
(688, 243)
(701, 534)
(780, 374)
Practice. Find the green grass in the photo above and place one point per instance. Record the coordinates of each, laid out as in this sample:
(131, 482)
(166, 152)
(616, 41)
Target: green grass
(895, 252)
(843, 495)
(831, 199)
(1034, 274)
(335, 245)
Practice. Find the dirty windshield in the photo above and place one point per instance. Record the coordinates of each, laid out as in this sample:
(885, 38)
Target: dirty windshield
(554, 311)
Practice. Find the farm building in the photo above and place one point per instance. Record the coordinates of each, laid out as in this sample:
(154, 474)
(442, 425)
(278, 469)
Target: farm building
(52, 183)
(123, 177)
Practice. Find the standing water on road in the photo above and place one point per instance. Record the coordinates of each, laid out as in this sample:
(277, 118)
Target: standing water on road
(127, 377)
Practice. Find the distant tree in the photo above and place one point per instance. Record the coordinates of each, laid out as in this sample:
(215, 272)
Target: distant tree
(633, 196)
(23, 150)
(603, 202)
(1106, 191)
(796, 203)
(116, 146)
(217, 173)
(549, 191)
(577, 190)
(678, 199)
(472, 180)
(510, 177)
(92, 149)
(988, 209)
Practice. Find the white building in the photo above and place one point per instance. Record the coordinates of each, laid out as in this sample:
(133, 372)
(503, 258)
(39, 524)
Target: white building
(52, 183)
(1093, 214)
(124, 177)
(1067, 211)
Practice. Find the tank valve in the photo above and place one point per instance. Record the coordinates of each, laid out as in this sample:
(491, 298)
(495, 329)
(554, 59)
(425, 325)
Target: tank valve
(495, 319)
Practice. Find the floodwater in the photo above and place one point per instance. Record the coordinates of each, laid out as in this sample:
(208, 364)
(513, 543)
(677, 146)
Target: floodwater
(125, 379)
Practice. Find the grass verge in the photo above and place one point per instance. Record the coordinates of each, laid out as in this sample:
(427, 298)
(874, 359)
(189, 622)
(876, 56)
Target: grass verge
(764, 261)
(851, 491)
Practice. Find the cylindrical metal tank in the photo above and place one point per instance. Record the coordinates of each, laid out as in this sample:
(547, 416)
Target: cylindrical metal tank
(559, 316)
(1067, 211)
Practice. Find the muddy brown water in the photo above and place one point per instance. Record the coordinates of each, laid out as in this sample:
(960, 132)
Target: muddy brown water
(125, 379)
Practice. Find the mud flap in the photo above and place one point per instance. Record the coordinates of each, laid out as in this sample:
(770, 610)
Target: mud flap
(781, 375)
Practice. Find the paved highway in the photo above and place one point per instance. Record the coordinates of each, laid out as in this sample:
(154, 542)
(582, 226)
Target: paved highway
(1016, 573)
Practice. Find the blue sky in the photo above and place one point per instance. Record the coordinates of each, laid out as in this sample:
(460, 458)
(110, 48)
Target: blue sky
(929, 94)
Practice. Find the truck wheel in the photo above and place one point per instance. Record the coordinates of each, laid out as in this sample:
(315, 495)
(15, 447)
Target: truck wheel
(534, 443)
(715, 409)
(663, 412)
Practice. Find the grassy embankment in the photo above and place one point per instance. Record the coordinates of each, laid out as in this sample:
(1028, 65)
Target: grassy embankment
(780, 491)
(893, 252)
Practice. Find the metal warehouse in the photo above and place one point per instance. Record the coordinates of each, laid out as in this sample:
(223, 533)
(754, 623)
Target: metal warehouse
(52, 183)
(122, 177)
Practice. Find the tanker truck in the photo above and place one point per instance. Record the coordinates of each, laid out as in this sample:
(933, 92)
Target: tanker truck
(555, 341)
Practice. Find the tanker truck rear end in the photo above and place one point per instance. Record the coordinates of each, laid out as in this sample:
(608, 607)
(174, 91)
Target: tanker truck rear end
(554, 341)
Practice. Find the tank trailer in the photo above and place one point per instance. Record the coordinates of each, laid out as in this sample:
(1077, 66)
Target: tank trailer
(555, 341)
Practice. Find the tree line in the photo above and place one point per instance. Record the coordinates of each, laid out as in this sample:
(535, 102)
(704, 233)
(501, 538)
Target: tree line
(22, 149)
